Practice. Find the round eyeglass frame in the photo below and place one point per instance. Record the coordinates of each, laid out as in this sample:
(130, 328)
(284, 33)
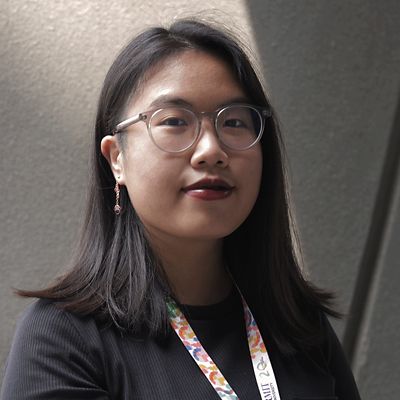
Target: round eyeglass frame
(147, 116)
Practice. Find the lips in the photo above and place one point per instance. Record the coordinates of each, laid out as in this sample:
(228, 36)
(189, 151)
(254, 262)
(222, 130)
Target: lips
(209, 189)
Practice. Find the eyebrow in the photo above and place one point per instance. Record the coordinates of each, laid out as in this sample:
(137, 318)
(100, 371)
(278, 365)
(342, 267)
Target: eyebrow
(167, 100)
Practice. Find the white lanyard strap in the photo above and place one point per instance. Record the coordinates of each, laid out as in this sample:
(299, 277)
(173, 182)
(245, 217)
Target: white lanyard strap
(196, 350)
(261, 363)
(262, 366)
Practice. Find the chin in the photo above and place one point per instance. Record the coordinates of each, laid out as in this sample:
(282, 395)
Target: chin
(208, 232)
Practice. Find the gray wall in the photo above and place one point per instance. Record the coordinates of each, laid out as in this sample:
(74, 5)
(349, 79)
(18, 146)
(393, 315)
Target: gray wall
(332, 71)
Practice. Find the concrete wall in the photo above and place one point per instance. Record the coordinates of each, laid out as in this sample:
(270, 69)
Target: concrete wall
(332, 70)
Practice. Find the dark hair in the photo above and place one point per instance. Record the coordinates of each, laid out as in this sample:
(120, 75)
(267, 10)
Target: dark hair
(115, 275)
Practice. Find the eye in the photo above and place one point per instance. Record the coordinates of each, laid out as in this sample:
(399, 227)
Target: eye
(234, 123)
(174, 121)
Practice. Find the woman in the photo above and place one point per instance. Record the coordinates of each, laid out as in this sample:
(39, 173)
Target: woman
(187, 229)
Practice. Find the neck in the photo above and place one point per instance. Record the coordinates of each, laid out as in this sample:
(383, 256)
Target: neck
(195, 269)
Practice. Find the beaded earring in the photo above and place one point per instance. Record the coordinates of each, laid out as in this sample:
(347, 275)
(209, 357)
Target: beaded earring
(117, 207)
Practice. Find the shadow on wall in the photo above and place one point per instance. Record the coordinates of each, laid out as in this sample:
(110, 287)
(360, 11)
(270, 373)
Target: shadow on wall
(332, 73)
(361, 304)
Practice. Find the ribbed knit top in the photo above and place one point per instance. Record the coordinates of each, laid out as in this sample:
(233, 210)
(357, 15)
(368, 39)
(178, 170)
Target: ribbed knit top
(58, 355)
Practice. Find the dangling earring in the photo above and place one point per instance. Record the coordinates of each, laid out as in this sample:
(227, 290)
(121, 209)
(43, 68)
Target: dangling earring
(117, 207)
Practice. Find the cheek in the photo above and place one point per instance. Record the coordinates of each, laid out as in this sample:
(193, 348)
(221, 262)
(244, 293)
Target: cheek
(145, 183)
(150, 180)
(141, 163)
(253, 167)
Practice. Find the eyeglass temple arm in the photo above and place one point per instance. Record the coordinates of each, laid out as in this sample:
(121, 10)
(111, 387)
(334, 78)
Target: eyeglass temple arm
(266, 112)
(130, 121)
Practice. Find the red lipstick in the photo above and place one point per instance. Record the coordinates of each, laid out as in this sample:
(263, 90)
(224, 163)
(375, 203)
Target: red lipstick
(209, 189)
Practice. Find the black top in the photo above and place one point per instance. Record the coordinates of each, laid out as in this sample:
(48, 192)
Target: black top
(58, 355)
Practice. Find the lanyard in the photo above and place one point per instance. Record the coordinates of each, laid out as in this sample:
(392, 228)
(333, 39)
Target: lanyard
(261, 363)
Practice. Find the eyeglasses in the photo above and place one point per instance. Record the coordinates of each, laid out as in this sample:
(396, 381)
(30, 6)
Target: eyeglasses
(176, 129)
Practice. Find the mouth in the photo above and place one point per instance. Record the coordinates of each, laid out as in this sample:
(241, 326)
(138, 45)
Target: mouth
(209, 189)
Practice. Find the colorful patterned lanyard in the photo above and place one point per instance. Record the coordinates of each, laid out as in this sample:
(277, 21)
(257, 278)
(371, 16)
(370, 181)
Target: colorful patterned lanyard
(261, 363)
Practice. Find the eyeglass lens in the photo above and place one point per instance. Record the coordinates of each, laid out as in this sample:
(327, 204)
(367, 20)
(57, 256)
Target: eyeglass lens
(175, 129)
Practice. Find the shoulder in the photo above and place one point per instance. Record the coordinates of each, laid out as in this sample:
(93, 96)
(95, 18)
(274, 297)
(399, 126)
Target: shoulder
(46, 329)
(337, 362)
(42, 314)
(47, 320)
(53, 350)
(330, 340)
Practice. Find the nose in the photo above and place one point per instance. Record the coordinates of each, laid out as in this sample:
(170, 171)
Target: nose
(207, 149)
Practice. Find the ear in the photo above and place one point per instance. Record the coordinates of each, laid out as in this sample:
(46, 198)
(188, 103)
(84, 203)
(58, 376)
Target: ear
(111, 150)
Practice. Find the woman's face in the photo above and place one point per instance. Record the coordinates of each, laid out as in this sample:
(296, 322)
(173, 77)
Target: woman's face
(158, 182)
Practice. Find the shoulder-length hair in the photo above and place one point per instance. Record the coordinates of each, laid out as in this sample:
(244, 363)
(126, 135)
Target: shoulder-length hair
(116, 277)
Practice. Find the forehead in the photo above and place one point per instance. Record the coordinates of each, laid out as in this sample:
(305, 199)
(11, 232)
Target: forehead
(198, 78)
